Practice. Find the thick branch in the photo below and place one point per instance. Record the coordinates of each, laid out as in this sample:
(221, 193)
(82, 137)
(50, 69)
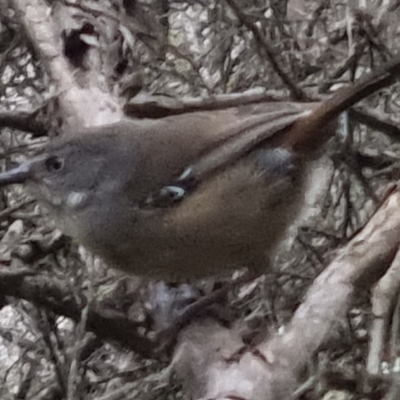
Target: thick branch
(146, 106)
(384, 297)
(54, 296)
(34, 14)
(24, 121)
(83, 102)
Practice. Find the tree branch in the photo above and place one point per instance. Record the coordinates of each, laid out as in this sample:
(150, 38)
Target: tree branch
(54, 295)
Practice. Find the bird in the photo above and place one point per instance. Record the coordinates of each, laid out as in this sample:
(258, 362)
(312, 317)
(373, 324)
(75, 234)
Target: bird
(187, 196)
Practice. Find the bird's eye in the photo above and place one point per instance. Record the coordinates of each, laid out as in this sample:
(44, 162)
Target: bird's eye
(54, 164)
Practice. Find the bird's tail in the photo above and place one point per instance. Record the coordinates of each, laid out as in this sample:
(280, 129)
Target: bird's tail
(307, 134)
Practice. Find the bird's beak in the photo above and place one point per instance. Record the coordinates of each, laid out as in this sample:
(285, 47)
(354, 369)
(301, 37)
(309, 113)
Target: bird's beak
(18, 174)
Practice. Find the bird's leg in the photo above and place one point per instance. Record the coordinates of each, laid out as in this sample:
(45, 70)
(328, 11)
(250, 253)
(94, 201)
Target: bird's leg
(166, 337)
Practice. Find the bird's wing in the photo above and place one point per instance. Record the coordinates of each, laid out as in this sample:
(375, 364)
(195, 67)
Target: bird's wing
(250, 127)
(246, 133)
(218, 139)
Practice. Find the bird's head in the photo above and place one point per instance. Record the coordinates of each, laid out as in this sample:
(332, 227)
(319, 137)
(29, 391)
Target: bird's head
(69, 172)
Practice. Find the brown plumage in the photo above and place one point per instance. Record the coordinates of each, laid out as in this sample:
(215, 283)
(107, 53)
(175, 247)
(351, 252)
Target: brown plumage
(187, 196)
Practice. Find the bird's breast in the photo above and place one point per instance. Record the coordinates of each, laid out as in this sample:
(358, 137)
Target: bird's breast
(230, 221)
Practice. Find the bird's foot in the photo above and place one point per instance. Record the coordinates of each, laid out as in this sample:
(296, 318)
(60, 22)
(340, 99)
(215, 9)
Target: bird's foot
(211, 305)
